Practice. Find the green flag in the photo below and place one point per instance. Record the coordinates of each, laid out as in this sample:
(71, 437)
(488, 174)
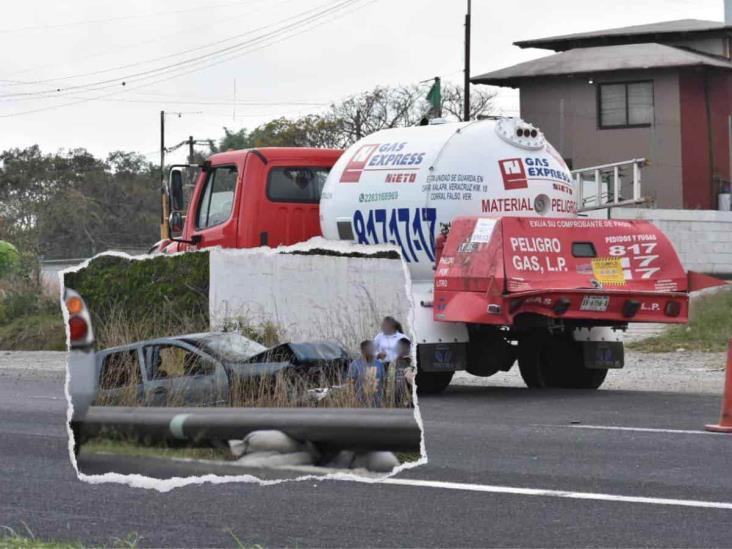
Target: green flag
(434, 96)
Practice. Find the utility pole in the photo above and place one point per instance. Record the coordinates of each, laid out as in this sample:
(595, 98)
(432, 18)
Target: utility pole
(164, 232)
(466, 111)
(162, 148)
(190, 149)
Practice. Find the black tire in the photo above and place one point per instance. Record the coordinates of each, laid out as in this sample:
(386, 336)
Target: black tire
(585, 378)
(549, 361)
(432, 383)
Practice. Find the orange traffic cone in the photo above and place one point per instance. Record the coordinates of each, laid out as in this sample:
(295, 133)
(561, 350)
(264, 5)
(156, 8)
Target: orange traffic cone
(725, 422)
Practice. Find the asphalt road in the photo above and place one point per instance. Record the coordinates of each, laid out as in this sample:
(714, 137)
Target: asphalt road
(482, 439)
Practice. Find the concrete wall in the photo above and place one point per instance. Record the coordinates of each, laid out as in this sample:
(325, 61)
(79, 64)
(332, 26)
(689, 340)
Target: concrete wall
(702, 238)
(308, 296)
(577, 136)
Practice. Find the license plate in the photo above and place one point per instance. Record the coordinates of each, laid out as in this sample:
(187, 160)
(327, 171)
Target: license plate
(597, 303)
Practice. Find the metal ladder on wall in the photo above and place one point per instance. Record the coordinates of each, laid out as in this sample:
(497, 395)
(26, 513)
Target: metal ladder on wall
(607, 182)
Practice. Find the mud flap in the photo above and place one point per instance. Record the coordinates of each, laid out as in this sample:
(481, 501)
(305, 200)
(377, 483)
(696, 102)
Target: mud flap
(600, 355)
(442, 357)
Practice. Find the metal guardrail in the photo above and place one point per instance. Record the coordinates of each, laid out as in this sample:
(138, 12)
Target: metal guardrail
(610, 175)
(342, 428)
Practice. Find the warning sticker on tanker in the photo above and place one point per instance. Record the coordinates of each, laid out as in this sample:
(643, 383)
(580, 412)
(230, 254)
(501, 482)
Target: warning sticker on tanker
(608, 270)
(483, 230)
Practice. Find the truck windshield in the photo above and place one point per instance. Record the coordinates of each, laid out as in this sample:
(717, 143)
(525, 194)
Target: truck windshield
(296, 184)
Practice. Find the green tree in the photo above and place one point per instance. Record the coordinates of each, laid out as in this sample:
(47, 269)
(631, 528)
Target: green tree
(348, 120)
(9, 259)
(71, 204)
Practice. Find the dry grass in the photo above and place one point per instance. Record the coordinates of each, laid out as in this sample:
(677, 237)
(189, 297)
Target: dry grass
(322, 387)
(330, 389)
(115, 327)
(285, 389)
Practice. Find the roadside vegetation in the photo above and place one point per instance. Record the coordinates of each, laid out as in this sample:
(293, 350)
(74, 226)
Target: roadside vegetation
(29, 316)
(709, 328)
(133, 448)
(14, 539)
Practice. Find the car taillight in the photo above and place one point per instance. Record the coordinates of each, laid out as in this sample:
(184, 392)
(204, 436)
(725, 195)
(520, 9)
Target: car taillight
(78, 328)
(81, 335)
(74, 305)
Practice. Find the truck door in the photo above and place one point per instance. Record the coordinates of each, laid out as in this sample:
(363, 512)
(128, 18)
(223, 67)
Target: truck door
(289, 210)
(179, 375)
(215, 219)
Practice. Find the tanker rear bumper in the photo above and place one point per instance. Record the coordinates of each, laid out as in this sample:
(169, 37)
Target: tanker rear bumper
(600, 307)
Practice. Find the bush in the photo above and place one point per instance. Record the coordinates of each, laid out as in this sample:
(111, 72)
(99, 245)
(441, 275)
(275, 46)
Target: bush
(38, 332)
(9, 259)
(164, 287)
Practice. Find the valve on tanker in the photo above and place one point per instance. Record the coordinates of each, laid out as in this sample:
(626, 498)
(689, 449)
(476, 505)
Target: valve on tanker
(522, 134)
(541, 204)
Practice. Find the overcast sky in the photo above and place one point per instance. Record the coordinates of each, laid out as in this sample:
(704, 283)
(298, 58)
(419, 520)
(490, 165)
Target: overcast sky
(277, 63)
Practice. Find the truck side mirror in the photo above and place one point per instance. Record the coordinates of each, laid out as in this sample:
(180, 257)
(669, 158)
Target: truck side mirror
(176, 190)
(175, 223)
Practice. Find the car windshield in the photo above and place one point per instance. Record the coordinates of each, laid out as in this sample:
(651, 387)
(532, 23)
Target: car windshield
(231, 347)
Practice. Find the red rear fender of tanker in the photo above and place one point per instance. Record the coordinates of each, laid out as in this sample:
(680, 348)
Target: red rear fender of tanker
(492, 269)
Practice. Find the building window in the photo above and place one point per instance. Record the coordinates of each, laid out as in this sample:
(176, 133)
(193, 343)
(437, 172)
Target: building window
(625, 105)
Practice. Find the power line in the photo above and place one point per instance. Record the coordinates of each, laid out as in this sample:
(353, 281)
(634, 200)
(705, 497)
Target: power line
(231, 56)
(192, 101)
(298, 20)
(119, 18)
(138, 43)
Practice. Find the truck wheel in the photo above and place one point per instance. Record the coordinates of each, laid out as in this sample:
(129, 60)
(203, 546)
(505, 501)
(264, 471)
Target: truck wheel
(488, 356)
(431, 383)
(555, 361)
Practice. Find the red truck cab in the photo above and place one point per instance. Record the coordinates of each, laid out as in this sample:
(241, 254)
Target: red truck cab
(257, 197)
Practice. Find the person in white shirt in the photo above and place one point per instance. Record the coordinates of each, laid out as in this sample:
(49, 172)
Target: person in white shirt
(387, 339)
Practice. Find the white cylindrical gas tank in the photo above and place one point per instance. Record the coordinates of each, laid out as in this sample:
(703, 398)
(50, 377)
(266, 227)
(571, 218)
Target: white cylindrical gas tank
(403, 185)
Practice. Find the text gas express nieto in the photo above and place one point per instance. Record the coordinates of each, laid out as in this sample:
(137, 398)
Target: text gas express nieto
(389, 154)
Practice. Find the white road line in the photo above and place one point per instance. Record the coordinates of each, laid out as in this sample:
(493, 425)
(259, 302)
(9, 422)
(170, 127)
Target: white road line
(641, 429)
(555, 493)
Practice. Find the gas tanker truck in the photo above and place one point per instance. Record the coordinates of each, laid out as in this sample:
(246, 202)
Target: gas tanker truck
(485, 214)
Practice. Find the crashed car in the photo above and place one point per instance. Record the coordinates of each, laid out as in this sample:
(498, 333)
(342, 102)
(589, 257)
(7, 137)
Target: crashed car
(203, 369)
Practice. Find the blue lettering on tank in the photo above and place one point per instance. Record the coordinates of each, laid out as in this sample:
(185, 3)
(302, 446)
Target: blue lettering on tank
(412, 229)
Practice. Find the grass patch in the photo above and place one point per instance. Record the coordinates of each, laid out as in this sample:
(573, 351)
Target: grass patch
(10, 539)
(37, 332)
(408, 457)
(22, 542)
(131, 448)
(709, 328)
